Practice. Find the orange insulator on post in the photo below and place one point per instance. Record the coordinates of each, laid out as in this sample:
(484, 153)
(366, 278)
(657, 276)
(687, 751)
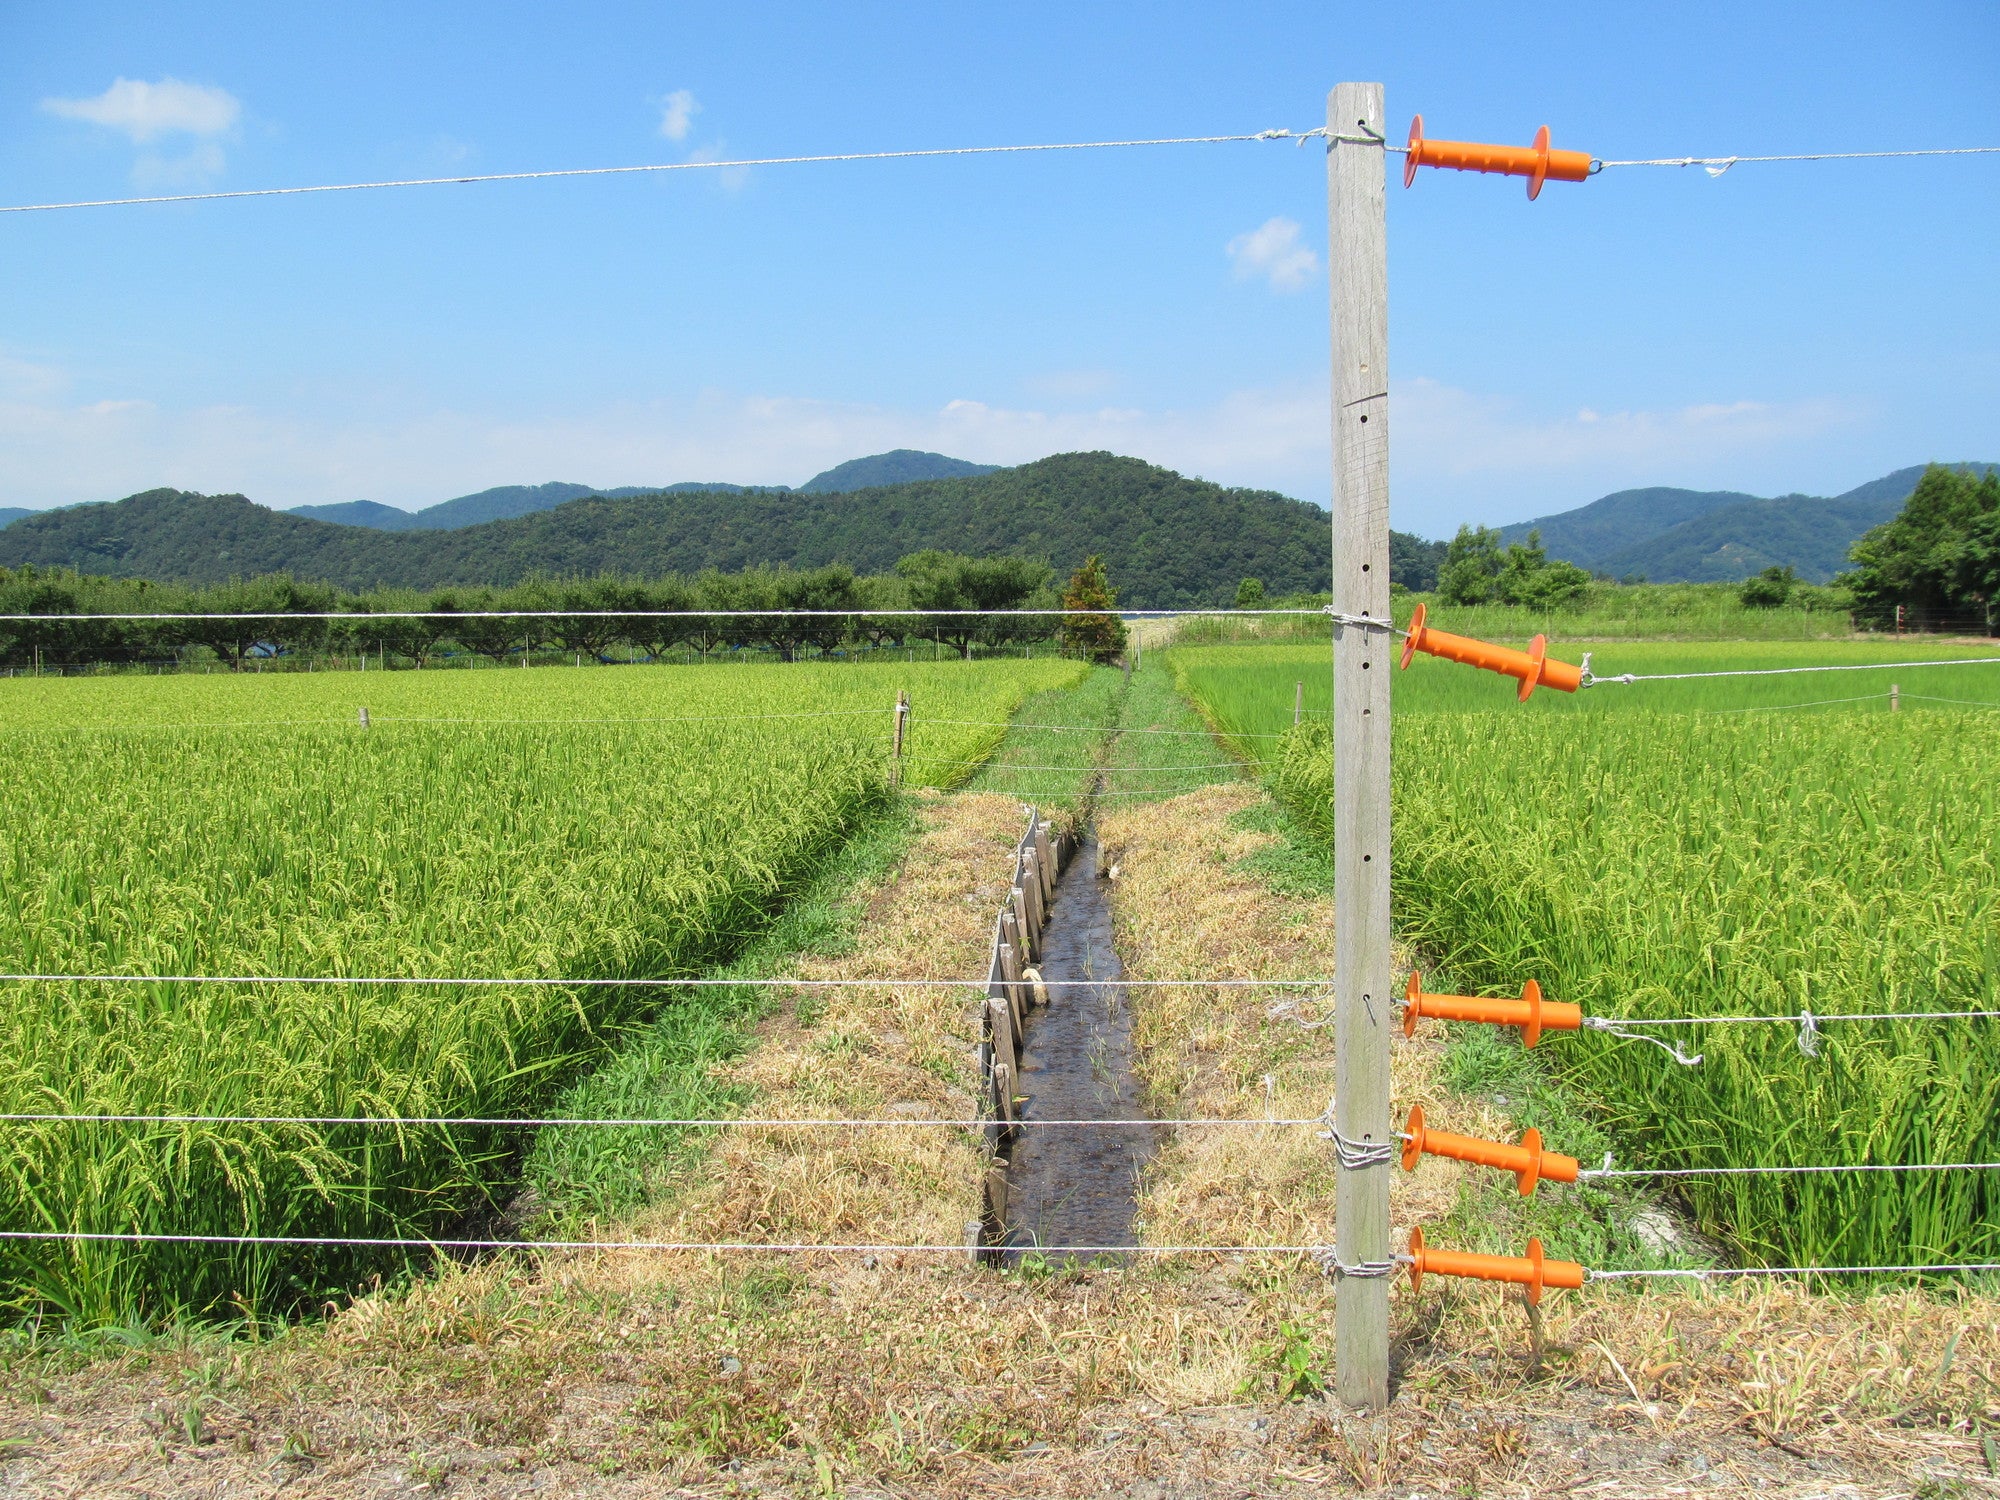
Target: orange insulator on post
(1530, 1270)
(1537, 163)
(1528, 1161)
(1533, 666)
(1531, 1012)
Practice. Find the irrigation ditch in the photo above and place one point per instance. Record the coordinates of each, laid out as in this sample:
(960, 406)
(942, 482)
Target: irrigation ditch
(1057, 1046)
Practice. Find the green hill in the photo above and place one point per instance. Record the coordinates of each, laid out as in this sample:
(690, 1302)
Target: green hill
(897, 466)
(1719, 536)
(1169, 541)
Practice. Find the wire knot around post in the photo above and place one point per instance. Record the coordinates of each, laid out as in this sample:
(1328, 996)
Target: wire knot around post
(1355, 1156)
(1808, 1033)
(1360, 622)
(1328, 1260)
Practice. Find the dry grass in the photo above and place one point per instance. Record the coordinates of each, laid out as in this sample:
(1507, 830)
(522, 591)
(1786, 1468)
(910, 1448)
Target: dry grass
(622, 1374)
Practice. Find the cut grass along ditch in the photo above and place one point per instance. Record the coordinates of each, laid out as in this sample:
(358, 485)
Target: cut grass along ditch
(594, 825)
(1645, 859)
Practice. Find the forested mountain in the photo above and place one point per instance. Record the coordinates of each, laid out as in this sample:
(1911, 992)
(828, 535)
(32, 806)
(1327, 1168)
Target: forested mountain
(488, 505)
(10, 513)
(1710, 536)
(897, 466)
(1168, 541)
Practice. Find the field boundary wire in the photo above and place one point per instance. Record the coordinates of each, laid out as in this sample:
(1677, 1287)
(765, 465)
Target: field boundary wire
(808, 1248)
(1715, 166)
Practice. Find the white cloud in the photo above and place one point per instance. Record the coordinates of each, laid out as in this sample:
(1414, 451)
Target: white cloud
(1273, 251)
(677, 112)
(1458, 455)
(1462, 433)
(60, 452)
(146, 111)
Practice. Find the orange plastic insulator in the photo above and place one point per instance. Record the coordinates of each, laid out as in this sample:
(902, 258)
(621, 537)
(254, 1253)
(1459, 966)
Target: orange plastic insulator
(1537, 163)
(1530, 1270)
(1532, 667)
(1531, 1012)
(1528, 1161)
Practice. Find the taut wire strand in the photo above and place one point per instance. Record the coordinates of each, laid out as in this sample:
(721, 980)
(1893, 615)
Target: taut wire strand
(139, 1237)
(1279, 134)
(1717, 165)
(1921, 1166)
(916, 982)
(1627, 678)
(738, 1122)
(1703, 1273)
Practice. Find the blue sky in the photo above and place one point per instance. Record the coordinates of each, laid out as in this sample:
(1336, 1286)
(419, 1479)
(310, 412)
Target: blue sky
(1782, 327)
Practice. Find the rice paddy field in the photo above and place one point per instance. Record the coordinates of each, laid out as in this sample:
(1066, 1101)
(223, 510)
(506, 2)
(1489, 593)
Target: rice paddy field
(606, 824)
(1724, 847)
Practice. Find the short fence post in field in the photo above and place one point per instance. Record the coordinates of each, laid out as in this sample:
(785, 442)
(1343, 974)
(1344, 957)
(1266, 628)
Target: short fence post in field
(1357, 266)
(1298, 702)
(902, 718)
(1895, 698)
(364, 717)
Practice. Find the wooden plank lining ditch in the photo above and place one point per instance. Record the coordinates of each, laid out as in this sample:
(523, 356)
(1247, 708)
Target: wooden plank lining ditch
(1039, 858)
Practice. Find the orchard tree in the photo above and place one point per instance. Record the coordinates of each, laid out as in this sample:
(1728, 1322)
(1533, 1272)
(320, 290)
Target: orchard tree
(1096, 636)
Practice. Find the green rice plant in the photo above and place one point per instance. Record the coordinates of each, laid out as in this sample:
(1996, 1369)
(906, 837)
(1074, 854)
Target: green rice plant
(1248, 691)
(1710, 847)
(600, 825)
(1656, 865)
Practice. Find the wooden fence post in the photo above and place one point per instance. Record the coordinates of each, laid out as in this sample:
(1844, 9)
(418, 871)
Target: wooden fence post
(1357, 266)
(364, 718)
(1895, 698)
(1298, 702)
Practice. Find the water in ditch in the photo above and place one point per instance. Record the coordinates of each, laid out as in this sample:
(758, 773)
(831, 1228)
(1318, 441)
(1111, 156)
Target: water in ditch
(1078, 1185)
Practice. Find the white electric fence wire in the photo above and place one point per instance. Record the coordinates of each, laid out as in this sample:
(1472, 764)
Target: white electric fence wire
(856, 612)
(1102, 729)
(1797, 1018)
(1779, 708)
(1591, 1173)
(138, 1237)
(1008, 765)
(733, 1122)
(1627, 678)
(676, 166)
(1964, 702)
(1717, 165)
(417, 979)
(1704, 1273)
(836, 713)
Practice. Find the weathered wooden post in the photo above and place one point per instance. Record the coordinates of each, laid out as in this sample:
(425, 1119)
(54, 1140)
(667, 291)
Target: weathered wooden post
(1357, 265)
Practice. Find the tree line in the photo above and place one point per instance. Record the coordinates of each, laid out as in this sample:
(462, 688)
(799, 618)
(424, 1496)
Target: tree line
(788, 612)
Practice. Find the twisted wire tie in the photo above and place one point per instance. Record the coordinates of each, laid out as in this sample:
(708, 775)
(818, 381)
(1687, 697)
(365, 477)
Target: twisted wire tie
(1355, 1156)
(1328, 1260)
(1672, 1049)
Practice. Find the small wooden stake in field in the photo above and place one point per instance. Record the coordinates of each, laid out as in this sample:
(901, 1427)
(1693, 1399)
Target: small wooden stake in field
(902, 719)
(1298, 702)
(1357, 264)
(1895, 698)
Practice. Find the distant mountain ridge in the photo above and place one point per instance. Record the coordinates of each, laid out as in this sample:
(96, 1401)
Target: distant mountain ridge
(1169, 541)
(1719, 536)
(898, 466)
